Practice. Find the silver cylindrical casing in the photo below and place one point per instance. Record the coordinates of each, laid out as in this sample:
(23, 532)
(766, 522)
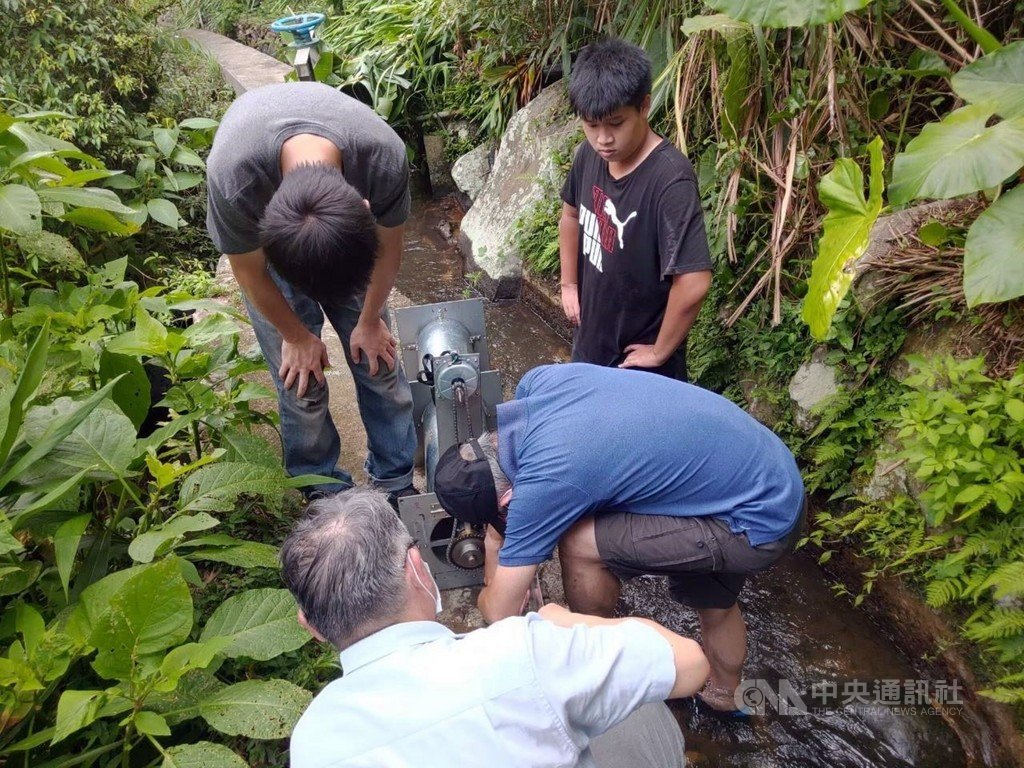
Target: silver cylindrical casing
(444, 335)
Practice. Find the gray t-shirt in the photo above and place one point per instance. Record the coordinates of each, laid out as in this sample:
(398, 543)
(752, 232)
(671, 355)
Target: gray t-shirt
(244, 167)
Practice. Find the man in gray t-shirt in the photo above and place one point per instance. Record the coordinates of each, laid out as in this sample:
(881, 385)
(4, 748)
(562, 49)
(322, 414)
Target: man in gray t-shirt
(308, 196)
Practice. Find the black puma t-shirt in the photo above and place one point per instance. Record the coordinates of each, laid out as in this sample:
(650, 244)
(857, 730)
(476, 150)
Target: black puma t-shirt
(635, 234)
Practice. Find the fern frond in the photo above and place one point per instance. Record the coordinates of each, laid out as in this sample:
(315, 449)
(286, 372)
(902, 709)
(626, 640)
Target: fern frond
(939, 593)
(1000, 623)
(1005, 695)
(1007, 580)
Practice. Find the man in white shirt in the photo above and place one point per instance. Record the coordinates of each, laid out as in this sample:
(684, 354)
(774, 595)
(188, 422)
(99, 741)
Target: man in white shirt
(526, 691)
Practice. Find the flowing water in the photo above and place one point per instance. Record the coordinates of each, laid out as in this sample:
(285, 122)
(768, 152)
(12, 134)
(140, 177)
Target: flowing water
(798, 630)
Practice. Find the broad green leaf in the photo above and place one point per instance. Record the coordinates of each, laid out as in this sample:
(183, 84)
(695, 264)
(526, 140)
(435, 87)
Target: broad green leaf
(717, 22)
(30, 625)
(245, 446)
(148, 338)
(976, 434)
(258, 709)
(183, 181)
(185, 156)
(997, 78)
(103, 442)
(76, 710)
(101, 221)
(20, 210)
(122, 181)
(42, 114)
(847, 229)
(204, 754)
(162, 434)
(182, 703)
(185, 658)
(65, 546)
(210, 329)
(28, 381)
(994, 252)
(165, 212)
(137, 624)
(52, 249)
(85, 197)
(198, 123)
(47, 501)
(151, 723)
(8, 544)
(76, 178)
(144, 548)
(787, 13)
(15, 579)
(216, 487)
(260, 624)
(55, 433)
(957, 156)
(1015, 409)
(934, 233)
(132, 391)
(166, 139)
(241, 554)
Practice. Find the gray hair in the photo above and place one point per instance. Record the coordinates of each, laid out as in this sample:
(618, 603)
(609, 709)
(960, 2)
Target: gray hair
(489, 445)
(345, 564)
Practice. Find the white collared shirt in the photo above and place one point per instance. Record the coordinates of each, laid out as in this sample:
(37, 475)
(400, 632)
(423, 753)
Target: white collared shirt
(522, 692)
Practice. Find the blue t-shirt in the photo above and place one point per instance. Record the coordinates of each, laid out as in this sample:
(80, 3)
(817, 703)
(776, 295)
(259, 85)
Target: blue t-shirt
(580, 439)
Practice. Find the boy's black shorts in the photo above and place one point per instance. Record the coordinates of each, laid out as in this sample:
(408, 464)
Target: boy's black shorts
(707, 564)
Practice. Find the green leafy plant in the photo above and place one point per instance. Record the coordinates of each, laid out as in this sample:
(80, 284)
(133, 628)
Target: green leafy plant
(845, 238)
(167, 165)
(83, 494)
(962, 539)
(969, 151)
(787, 13)
(90, 59)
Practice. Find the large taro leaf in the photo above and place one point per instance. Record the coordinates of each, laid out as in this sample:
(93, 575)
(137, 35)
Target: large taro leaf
(203, 754)
(260, 623)
(846, 231)
(997, 78)
(957, 156)
(787, 13)
(994, 252)
(149, 612)
(259, 709)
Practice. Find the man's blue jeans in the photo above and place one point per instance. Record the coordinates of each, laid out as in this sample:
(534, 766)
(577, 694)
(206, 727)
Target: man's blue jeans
(310, 439)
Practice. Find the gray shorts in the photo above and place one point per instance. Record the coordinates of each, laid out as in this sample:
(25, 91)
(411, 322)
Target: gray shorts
(706, 563)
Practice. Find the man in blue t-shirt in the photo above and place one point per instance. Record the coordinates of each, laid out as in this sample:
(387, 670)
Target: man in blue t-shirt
(629, 473)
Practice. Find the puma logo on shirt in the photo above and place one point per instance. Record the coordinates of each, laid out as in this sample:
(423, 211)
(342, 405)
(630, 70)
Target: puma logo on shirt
(601, 229)
(609, 208)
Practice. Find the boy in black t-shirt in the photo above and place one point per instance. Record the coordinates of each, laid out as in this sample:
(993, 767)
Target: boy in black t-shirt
(634, 254)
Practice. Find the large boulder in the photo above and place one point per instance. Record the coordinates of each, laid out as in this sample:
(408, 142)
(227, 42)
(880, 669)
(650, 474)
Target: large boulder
(471, 170)
(814, 382)
(524, 171)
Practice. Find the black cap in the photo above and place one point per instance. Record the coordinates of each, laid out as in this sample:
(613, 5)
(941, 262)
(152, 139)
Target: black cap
(465, 488)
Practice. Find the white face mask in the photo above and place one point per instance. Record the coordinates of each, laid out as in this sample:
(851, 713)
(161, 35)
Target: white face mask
(435, 593)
